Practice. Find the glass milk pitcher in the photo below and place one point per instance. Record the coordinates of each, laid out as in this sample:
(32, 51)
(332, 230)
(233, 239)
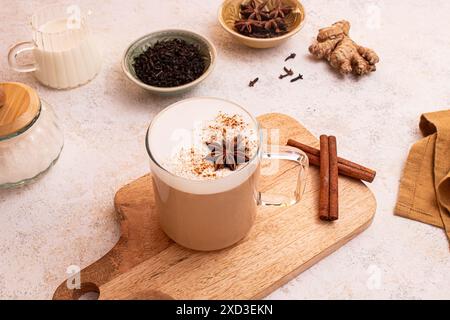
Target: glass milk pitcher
(65, 52)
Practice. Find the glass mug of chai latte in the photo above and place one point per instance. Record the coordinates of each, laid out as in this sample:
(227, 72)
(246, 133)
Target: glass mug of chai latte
(205, 158)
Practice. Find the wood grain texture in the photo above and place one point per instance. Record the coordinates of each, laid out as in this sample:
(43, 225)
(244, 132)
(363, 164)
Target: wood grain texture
(283, 243)
(20, 106)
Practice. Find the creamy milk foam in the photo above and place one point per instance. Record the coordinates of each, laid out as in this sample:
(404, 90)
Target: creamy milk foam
(65, 57)
(177, 143)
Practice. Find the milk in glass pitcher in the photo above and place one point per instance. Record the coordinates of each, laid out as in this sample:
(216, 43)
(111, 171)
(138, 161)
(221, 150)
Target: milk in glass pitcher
(65, 52)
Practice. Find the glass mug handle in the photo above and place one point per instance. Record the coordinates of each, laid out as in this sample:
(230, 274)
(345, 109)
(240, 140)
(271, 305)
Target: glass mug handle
(290, 154)
(15, 51)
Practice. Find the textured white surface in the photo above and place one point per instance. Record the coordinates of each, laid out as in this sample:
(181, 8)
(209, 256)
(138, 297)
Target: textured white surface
(68, 218)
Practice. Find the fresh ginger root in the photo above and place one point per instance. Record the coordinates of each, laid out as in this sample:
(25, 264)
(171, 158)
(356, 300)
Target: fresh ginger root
(335, 45)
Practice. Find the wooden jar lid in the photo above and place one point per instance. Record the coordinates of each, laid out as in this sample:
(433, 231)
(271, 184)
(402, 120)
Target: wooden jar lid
(19, 105)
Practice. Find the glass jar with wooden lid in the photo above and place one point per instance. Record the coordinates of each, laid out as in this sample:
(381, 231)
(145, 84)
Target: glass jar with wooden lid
(30, 137)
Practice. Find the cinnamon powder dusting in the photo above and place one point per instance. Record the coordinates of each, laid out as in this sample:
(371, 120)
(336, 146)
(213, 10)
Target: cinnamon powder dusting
(190, 161)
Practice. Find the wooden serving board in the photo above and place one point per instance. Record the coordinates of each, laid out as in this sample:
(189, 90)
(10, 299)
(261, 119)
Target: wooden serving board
(146, 264)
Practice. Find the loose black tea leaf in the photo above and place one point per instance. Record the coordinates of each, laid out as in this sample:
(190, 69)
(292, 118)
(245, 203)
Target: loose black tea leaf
(169, 63)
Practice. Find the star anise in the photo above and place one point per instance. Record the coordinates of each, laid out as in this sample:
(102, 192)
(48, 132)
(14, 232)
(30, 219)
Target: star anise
(228, 153)
(280, 10)
(262, 18)
(278, 25)
(247, 26)
(255, 10)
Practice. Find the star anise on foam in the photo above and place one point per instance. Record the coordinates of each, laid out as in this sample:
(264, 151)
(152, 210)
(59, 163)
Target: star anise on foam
(228, 153)
(247, 26)
(255, 10)
(280, 10)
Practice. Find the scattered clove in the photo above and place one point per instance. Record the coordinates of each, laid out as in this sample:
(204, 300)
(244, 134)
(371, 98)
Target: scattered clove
(291, 56)
(253, 82)
(289, 72)
(300, 77)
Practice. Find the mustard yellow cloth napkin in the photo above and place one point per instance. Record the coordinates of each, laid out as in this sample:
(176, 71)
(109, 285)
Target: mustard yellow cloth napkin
(425, 186)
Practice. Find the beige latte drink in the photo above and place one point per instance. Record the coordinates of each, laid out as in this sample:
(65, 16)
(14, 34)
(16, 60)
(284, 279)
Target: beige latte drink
(214, 221)
(205, 158)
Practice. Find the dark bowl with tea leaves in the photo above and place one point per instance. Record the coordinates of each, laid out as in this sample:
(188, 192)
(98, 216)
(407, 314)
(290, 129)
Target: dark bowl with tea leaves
(169, 61)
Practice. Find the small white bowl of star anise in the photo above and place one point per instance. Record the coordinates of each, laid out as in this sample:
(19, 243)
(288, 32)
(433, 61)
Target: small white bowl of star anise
(262, 23)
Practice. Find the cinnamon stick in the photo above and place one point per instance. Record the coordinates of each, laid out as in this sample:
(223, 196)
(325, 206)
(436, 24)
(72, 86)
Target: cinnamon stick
(345, 167)
(324, 196)
(334, 177)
